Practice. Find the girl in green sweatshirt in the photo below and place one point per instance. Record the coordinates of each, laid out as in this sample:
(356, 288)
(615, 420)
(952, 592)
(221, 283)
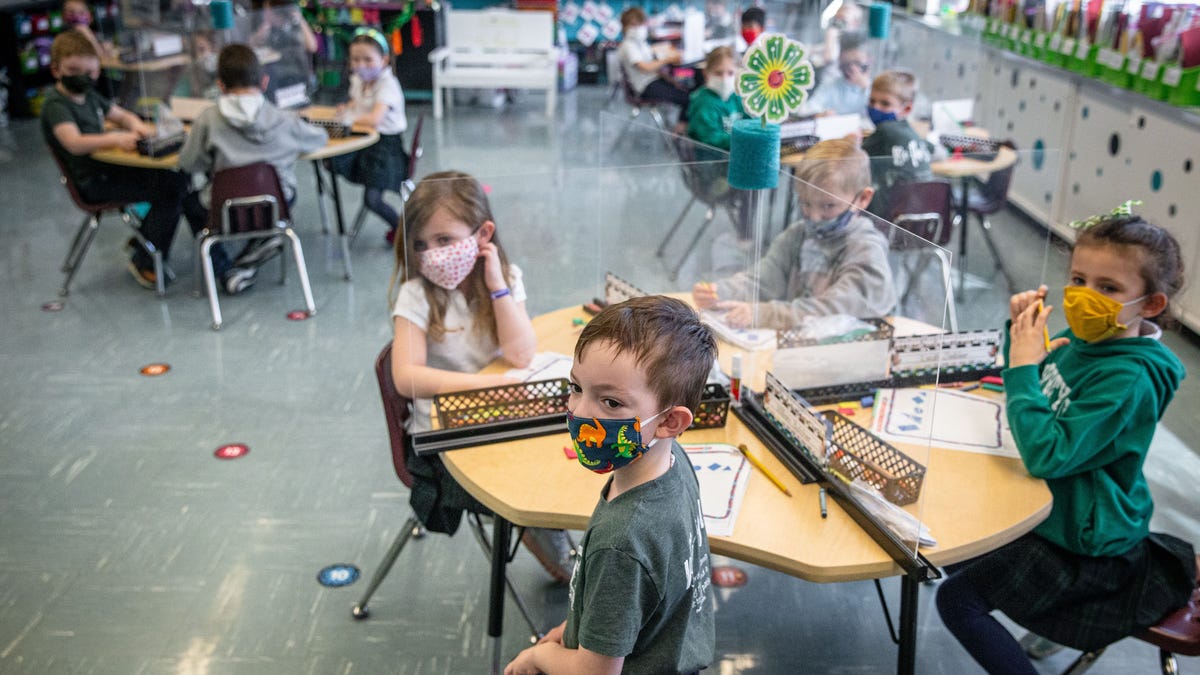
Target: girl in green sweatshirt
(1083, 409)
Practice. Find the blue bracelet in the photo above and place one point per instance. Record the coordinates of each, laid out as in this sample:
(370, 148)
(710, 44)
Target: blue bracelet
(496, 295)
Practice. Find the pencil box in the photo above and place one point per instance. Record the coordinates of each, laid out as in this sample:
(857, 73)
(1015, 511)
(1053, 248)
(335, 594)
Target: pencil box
(161, 146)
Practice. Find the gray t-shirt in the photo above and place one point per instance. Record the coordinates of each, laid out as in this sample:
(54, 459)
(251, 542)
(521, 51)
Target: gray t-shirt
(641, 587)
(88, 116)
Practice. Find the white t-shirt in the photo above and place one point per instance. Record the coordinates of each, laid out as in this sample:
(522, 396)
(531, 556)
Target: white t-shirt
(385, 89)
(461, 349)
(631, 52)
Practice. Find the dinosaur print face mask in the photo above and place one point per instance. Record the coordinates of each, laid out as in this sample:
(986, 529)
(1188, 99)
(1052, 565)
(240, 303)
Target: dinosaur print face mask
(604, 445)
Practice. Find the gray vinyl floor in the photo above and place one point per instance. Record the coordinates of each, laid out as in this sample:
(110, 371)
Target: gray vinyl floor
(127, 547)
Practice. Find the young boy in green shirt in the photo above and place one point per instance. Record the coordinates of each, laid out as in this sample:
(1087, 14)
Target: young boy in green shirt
(640, 595)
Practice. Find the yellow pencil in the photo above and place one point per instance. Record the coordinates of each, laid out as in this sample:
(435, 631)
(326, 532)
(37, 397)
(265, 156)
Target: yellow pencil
(1045, 329)
(759, 465)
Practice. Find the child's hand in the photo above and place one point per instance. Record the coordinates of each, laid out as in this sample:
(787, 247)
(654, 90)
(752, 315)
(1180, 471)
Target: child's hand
(1021, 301)
(523, 664)
(493, 276)
(1027, 336)
(737, 314)
(704, 294)
(142, 129)
(555, 635)
(123, 140)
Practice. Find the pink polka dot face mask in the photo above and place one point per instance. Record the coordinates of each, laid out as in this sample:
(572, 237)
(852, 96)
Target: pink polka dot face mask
(447, 266)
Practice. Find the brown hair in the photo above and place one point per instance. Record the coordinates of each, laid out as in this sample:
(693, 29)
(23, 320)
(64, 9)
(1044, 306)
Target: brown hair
(836, 165)
(899, 83)
(463, 198)
(71, 43)
(632, 16)
(718, 56)
(238, 67)
(665, 337)
(1161, 262)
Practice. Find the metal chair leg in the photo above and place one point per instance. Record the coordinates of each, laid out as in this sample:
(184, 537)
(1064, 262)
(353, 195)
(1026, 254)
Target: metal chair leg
(948, 284)
(481, 537)
(301, 270)
(359, 219)
(1083, 663)
(210, 281)
(708, 218)
(662, 246)
(407, 532)
(1167, 661)
(79, 246)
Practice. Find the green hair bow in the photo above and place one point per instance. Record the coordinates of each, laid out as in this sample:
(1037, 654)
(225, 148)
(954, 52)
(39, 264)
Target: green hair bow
(1125, 209)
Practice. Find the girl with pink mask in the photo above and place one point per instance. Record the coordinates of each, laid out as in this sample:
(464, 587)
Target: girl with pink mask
(460, 305)
(376, 101)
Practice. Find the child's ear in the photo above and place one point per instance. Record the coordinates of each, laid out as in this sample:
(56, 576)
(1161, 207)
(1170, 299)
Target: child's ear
(265, 79)
(906, 110)
(1155, 304)
(485, 231)
(54, 70)
(863, 200)
(675, 422)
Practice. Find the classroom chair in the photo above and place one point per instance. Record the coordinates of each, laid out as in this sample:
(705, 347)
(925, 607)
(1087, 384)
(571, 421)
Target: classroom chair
(923, 209)
(1176, 633)
(395, 412)
(406, 188)
(616, 75)
(248, 203)
(984, 198)
(705, 186)
(91, 224)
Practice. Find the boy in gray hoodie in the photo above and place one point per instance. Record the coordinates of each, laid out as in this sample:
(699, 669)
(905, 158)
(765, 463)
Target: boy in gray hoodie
(244, 128)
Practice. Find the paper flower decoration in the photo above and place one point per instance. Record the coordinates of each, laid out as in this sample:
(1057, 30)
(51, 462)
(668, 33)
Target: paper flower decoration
(1124, 209)
(776, 77)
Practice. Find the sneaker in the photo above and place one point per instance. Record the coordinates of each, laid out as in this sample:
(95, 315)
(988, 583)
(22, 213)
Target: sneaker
(552, 548)
(239, 279)
(259, 251)
(1038, 647)
(146, 278)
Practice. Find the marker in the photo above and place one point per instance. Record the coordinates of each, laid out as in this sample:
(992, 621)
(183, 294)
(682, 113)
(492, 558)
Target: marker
(821, 496)
(993, 387)
(970, 387)
(759, 465)
(735, 378)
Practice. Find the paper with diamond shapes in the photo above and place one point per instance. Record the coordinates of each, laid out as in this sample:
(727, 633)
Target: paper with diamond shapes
(944, 418)
(723, 474)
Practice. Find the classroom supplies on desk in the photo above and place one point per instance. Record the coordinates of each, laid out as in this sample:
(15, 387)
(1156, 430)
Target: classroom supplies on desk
(977, 148)
(713, 411)
(335, 128)
(161, 146)
(832, 350)
(950, 419)
(763, 469)
(903, 524)
(495, 414)
(723, 474)
(545, 366)
(946, 357)
(856, 453)
(617, 289)
(746, 338)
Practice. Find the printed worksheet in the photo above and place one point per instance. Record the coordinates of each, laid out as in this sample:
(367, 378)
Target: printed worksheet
(723, 473)
(944, 418)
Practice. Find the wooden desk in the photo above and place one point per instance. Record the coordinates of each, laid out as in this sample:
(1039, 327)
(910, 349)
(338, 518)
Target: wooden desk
(962, 169)
(189, 109)
(972, 503)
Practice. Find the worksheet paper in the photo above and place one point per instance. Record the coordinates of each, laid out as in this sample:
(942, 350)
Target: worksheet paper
(545, 366)
(746, 338)
(723, 474)
(943, 418)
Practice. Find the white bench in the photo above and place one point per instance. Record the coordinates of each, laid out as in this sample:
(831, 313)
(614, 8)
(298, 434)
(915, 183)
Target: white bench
(496, 49)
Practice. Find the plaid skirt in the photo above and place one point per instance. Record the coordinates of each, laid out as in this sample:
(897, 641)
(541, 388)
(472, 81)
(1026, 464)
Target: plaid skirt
(1080, 601)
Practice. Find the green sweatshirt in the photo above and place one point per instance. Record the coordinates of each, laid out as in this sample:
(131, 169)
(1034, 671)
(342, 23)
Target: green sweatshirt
(710, 120)
(1083, 420)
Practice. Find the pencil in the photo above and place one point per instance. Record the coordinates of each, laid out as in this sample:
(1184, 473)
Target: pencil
(1045, 330)
(759, 465)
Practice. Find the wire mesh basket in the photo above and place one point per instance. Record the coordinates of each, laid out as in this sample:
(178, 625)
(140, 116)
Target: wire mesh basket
(794, 337)
(857, 453)
(335, 128)
(501, 404)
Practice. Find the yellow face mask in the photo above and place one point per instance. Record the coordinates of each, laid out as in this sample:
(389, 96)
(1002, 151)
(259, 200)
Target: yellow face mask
(1092, 315)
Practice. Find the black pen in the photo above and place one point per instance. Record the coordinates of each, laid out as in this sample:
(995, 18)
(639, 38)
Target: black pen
(821, 496)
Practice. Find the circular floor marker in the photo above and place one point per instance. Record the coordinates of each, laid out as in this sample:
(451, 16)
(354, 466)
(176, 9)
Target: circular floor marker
(338, 575)
(53, 306)
(155, 369)
(726, 576)
(232, 451)
(298, 315)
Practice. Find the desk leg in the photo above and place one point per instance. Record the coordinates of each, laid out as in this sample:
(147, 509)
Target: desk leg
(341, 225)
(788, 197)
(321, 197)
(501, 535)
(906, 662)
